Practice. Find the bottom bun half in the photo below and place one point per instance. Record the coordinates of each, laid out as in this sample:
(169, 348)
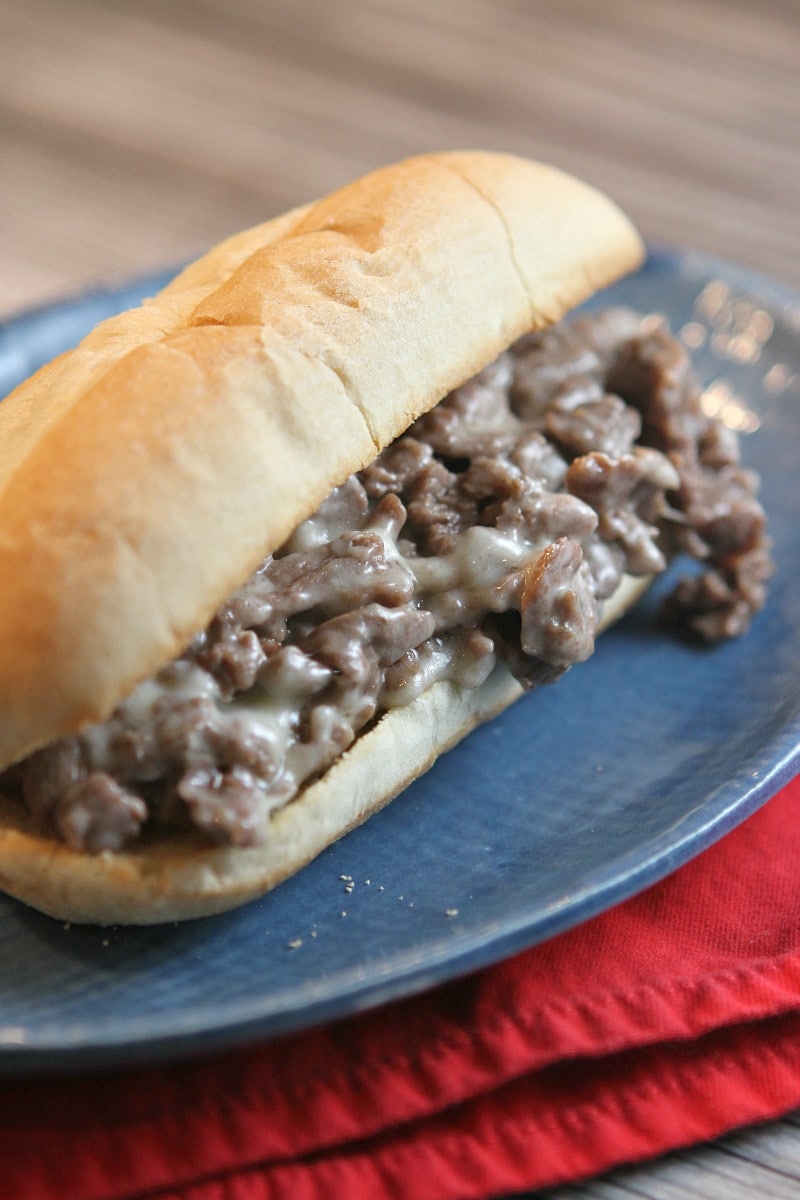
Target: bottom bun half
(173, 876)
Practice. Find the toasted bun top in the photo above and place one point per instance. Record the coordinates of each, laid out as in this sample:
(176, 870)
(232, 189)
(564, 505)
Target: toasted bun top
(145, 474)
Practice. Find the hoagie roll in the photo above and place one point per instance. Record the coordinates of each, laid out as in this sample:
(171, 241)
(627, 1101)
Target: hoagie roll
(272, 542)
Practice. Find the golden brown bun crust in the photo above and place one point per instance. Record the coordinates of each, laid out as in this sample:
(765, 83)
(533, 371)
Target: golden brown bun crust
(173, 878)
(144, 475)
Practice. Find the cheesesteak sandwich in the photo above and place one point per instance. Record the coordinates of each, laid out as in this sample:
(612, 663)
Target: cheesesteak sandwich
(273, 541)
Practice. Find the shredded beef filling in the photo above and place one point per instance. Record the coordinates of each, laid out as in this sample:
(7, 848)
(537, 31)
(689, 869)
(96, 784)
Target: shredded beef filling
(491, 531)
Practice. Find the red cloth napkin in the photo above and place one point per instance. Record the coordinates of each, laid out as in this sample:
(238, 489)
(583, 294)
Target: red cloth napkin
(666, 1021)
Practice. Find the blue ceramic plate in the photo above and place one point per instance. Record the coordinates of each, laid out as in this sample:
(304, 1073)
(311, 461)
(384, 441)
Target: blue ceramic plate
(577, 797)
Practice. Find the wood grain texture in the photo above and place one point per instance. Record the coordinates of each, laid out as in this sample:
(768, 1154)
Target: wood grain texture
(134, 134)
(756, 1164)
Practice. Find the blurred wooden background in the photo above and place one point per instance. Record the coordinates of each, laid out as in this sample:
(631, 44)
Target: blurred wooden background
(134, 133)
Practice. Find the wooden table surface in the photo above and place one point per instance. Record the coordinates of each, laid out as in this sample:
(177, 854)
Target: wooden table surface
(134, 134)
